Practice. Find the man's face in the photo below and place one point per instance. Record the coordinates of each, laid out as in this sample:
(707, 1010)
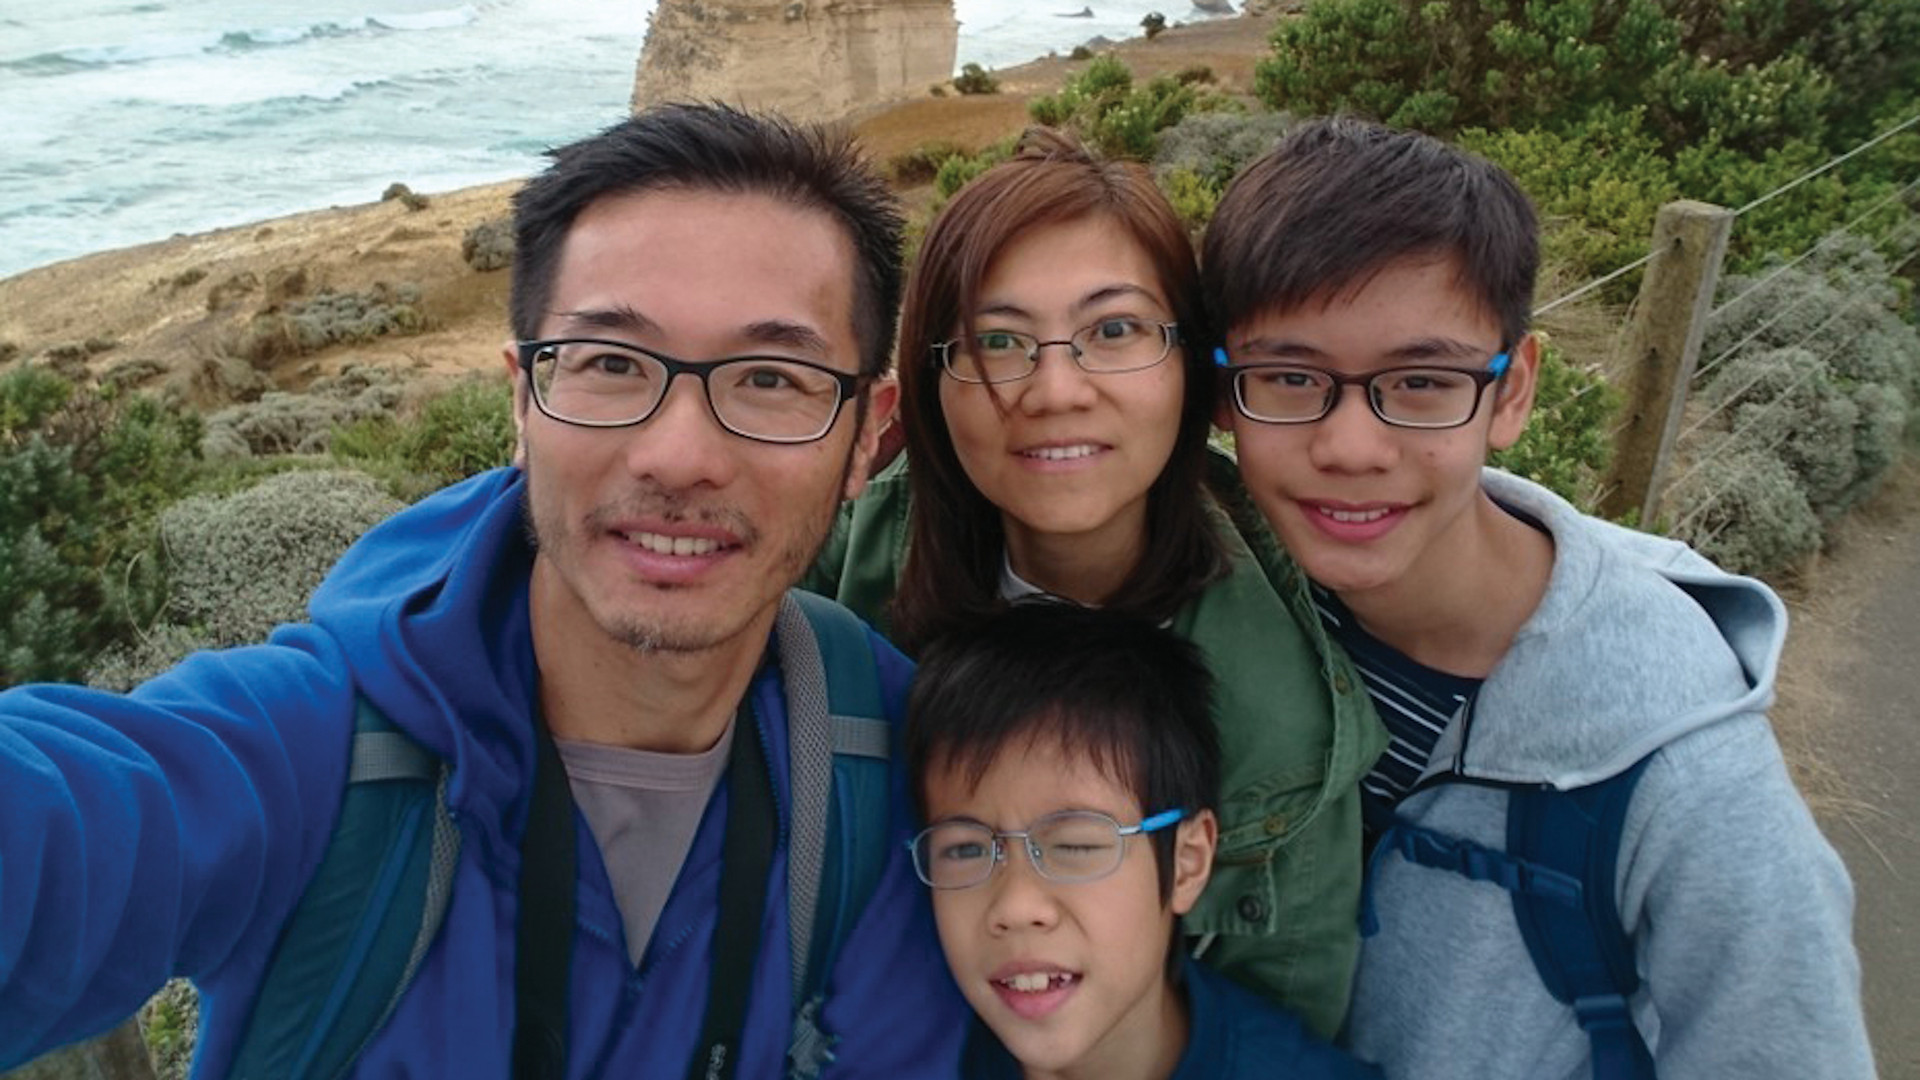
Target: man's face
(1070, 976)
(675, 534)
(1365, 508)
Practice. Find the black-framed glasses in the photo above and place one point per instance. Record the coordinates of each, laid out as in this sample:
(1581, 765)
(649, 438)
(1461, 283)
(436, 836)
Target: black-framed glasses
(596, 383)
(1107, 347)
(1425, 396)
(1068, 846)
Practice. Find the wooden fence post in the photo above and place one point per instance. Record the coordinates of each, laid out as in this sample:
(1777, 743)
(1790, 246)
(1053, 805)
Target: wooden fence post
(1662, 346)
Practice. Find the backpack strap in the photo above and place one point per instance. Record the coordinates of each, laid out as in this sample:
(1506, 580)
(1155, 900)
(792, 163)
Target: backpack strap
(1560, 867)
(1580, 947)
(367, 917)
(840, 749)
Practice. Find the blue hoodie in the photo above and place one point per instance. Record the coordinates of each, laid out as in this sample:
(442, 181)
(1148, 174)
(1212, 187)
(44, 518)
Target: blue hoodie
(170, 831)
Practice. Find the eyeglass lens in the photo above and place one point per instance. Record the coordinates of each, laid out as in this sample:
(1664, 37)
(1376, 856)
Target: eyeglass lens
(1412, 397)
(760, 397)
(1067, 847)
(1108, 346)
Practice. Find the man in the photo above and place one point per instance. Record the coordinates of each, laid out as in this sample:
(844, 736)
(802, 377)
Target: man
(1374, 287)
(618, 588)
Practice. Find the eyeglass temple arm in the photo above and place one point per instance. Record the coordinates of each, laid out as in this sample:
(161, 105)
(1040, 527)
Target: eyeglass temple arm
(1158, 821)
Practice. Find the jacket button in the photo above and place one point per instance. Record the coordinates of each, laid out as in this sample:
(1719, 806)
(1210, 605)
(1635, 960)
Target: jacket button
(1340, 683)
(1251, 909)
(1275, 824)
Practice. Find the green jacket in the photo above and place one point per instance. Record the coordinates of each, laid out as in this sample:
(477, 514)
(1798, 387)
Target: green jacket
(1297, 732)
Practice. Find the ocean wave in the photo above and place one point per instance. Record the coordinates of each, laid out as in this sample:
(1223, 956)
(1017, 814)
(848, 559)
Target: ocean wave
(178, 46)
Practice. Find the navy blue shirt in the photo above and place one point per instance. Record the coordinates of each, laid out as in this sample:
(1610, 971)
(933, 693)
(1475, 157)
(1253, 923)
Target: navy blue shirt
(1233, 1034)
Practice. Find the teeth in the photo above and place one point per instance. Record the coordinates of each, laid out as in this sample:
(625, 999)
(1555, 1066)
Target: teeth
(1063, 453)
(1033, 982)
(1354, 516)
(674, 545)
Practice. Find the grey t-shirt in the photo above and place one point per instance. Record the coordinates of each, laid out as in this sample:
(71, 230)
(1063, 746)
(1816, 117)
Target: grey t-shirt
(644, 808)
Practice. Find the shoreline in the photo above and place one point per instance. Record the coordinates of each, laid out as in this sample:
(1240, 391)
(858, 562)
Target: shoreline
(176, 305)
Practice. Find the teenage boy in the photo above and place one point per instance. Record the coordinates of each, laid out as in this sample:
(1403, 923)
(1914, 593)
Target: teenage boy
(1067, 763)
(1374, 287)
(704, 304)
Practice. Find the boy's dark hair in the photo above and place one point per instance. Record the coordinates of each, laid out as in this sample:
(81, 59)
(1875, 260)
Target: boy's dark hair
(1128, 696)
(957, 546)
(1341, 198)
(712, 147)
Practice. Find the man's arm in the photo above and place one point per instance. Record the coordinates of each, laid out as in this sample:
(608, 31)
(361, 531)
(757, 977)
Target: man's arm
(1742, 915)
(164, 832)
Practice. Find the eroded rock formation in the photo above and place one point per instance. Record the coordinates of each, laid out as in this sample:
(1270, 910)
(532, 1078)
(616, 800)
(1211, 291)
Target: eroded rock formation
(811, 59)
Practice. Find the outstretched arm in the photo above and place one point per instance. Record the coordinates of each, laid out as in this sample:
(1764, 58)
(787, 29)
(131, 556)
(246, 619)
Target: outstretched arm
(164, 832)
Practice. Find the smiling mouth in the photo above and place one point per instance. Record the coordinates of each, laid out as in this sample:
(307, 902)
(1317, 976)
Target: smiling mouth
(1038, 982)
(1061, 453)
(684, 546)
(1352, 517)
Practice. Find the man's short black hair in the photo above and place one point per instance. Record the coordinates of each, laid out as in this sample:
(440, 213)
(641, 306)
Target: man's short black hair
(712, 147)
(1128, 696)
(1339, 199)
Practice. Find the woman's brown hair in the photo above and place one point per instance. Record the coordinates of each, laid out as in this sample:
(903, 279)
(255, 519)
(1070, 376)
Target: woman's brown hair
(955, 540)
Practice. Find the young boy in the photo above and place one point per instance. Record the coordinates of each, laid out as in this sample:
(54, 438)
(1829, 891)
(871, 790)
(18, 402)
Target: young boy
(1067, 763)
(1513, 644)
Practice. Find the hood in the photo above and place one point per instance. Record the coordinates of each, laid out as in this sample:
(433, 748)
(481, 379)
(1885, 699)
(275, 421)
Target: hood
(430, 607)
(1638, 641)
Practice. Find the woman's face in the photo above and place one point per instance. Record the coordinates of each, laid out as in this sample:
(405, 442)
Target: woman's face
(1067, 455)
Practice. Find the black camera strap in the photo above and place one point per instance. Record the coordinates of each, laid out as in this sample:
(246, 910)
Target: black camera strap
(543, 945)
(746, 860)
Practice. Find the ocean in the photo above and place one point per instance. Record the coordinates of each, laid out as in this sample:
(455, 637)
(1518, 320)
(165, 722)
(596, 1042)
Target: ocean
(125, 121)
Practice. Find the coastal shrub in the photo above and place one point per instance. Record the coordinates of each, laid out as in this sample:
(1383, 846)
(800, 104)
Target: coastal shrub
(241, 564)
(1080, 52)
(1104, 107)
(231, 289)
(9, 351)
(1568, 441)
(960, 168)
(463, 430)
(288, 423)
(1191, 195)
(1193, 75)
(974, 79)
(1152, 24)
(489, 245)
(922, 163)
(187, 279)
(1217, 145)
(331, 318)
(132, 372)
(1742, 507)
(169, 1023)
(407, 197)
(1788, 400)
(83, 472)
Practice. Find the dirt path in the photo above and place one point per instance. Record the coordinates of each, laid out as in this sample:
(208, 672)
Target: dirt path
(1850, 718)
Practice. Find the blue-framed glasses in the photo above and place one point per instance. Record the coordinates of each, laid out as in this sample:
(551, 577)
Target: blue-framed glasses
(1069, 846)
(1425, 396)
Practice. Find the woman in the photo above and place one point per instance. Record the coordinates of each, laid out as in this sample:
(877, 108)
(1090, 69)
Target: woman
(1055, 397)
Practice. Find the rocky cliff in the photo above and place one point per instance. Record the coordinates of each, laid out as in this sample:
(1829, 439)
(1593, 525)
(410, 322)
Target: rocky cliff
(811, 59)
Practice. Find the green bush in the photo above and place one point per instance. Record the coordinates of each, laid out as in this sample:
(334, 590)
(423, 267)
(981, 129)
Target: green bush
(462, 431)
(922, 163)
(974, 79)
(1213, 147)
(956, 171)
(1789, 402)
(1191, 195)
(82, 474)
(1568, 439)
(1104, 107)
(1153, 24)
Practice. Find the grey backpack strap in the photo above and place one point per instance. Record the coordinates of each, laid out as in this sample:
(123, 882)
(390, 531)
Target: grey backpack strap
(810, 741)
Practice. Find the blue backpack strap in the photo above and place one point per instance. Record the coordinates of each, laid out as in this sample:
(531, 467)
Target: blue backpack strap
(366, 919)
(840, 750)
(1579, 945)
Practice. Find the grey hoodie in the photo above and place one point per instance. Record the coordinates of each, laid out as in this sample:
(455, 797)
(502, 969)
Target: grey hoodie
(1740, 911)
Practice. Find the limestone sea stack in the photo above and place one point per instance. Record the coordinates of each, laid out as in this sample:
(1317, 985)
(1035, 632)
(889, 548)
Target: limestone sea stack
(810, 59)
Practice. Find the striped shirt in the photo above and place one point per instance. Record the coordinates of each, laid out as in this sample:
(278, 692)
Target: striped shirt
(1414, 701)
